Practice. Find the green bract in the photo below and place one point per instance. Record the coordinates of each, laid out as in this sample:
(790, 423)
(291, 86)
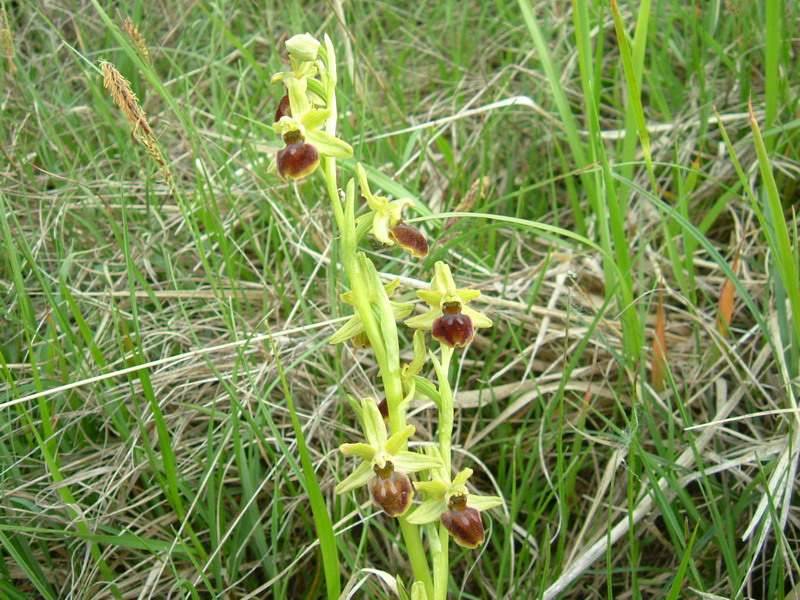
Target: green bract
(380, 450)
(355, 325)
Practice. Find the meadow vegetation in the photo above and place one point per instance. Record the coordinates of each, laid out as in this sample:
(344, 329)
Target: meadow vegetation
(618, 178)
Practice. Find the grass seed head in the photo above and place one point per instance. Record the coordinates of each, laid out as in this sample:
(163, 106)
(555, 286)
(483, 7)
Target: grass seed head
(139, 42)
(127, 101)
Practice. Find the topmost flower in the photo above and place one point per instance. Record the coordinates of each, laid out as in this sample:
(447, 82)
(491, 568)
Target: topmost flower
(298, 121)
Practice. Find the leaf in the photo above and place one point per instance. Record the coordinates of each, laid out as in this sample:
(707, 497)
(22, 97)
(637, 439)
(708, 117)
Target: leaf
(726, 299)
(659, 367)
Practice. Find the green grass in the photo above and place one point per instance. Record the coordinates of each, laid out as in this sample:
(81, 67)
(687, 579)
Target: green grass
(148, 445)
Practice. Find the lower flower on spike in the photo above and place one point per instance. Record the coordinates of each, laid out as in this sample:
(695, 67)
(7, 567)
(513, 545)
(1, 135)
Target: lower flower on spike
(453, 328)
(391, 490)
(463, 523)
(385, 465)
(450, 503)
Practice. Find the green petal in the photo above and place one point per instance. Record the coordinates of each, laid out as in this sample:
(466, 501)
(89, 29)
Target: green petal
(360, 449)
(356, 479)
(412, 462)
(351, 328)
(468, 295)
(374, 427)
(431, 297)
(398, 440)
(478, 319)
(462, 476)
(481, 503)
(427, 512)
(425, 320)
(328, 145)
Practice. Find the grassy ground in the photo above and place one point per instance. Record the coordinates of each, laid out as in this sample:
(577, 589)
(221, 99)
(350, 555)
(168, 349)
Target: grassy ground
(146, 449)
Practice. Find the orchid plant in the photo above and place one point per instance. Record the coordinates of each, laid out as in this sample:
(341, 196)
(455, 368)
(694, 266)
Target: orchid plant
(306, 121)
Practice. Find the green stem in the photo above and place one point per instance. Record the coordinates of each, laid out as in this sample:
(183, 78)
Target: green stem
(441, 558)
(441, 565)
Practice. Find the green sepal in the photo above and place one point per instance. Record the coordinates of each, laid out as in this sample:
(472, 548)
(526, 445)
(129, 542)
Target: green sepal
(298, 101)
(425, 320)
(442, 277)
(435, 489)
(479, 320)
(396, 442)
(374, 427)
(401, 588)
(356, 406)
(481, 503)
(414, 462)
(328, 145)
(352, 327)
(359, 449)
(427, 512)
(356, 479)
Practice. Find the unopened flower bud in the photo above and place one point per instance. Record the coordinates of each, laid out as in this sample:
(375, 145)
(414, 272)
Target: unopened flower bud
(297, 160)
(463, 523)
(284, 108)
(303, 47)
(391, 490)
(409, 239)
(453, 328)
